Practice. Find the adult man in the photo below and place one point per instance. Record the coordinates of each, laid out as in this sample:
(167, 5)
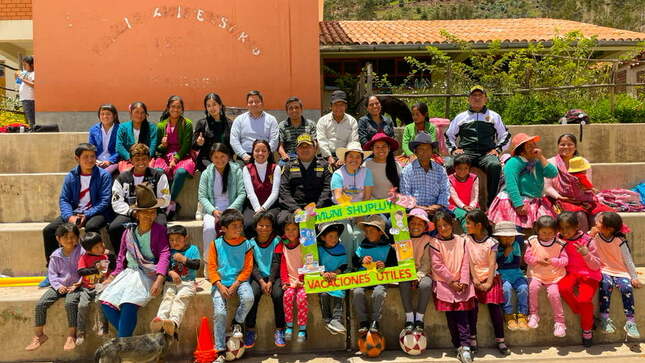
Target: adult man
(84, 198)
(294, 126)
(305, 179)
(425, 179)
(482, 137)
(123, 192)
(253, 125)
(336, 129)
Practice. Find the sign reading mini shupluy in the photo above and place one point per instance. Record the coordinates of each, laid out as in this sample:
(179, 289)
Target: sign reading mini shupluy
(404, 271)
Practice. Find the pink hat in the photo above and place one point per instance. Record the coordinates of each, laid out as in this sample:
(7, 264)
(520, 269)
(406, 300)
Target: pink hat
(421, 214)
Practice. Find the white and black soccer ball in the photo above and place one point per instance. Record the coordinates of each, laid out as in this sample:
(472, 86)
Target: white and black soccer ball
(234, 348)
(413, 343)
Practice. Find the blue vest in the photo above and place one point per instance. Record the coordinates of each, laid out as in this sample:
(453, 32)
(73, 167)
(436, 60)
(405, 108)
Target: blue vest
(264, 255)
(230, 260)
(332, 259)
(378, 253)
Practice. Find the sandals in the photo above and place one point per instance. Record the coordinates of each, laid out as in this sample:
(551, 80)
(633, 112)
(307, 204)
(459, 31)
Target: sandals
(36, 342)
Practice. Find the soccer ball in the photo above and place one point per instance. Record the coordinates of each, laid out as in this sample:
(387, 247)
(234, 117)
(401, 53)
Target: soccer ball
(371, 344)
(413, 343)
(234, 348)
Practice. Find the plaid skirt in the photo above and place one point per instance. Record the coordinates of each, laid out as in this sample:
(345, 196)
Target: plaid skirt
(493, 296)
(441, 305)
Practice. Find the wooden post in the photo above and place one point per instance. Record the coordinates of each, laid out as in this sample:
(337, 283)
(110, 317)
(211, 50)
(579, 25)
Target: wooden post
(370, 78)
(612, 90)
(448, 91)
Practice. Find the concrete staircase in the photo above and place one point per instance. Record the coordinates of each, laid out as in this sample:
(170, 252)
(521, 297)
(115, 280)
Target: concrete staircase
(32, 167)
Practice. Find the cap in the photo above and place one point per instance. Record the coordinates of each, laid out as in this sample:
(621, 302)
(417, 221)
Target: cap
(338, 95)
(305, 139)
(477, 88)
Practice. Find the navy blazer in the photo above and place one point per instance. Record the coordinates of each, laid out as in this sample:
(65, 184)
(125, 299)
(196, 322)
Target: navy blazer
(96, 139)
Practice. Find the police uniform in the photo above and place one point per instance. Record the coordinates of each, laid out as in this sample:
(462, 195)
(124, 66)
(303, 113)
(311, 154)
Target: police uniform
(300, 186)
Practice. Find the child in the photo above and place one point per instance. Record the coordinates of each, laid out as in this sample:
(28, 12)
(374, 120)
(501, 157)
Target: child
(509, 257)
(374, 252)
(265, 279)
(93, 267)
(333, 257)
(230, 262)
(580, 167)
(184, 263)
(453, 287)
(64, 280)
(583, 273)
(289, 254)
(546, 258)
(418, 225)
(464, 189)
(617, 269)
(482, 251)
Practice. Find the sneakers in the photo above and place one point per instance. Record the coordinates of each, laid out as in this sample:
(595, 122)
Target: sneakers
(199, 214)
(80, 339)
(156, 324)
(559, 330)
(237, 331)
(464, 355)
(169, 327)
(511, 323)
(534, 320)
(522, 324)
(302, 336)
(44, 283)
(607, 326)
(335, 327)
(36, 342)
(419, 326)
(632, 330)
(249, 339)
(363, 327)
(278, 338)
(409, 326)
(288, 334)
(221, 357)
(374, 328)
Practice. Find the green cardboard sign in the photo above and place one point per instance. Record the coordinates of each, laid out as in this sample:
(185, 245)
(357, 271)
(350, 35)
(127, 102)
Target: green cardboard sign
(315, 283)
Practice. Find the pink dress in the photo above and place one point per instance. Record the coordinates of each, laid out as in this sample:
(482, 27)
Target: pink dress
(187, 163)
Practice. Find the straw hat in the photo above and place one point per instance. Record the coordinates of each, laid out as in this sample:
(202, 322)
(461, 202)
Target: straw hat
(352, 146)
(146, 198)
(374, 221)
(506, 229)
(520, 139)
(338, 227)
(578, 164)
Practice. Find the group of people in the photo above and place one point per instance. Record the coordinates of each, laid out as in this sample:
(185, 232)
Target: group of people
(251, 240)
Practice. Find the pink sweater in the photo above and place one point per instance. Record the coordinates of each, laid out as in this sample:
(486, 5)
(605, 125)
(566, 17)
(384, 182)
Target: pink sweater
(440, 252)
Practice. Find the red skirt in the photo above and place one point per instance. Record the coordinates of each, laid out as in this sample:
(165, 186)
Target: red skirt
(441, 305)
(591, 208)
(493, 296)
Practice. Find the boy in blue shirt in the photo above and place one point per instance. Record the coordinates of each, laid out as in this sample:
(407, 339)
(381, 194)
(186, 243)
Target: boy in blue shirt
(333, 257)
(184, 263)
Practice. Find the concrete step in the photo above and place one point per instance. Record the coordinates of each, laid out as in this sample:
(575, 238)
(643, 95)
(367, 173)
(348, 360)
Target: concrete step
(53, 152)
(34, 197)
(17, 307)
(23, 252)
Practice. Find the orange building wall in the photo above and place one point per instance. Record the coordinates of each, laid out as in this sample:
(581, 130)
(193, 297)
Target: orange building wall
(89, 53)
(15, 9)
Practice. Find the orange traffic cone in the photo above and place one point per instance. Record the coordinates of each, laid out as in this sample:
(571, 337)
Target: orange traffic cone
(205, 352)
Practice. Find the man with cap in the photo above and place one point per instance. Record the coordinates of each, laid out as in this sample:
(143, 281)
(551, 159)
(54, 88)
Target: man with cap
(305, 179)
(336, 129)
(425, 179)
(482, 137)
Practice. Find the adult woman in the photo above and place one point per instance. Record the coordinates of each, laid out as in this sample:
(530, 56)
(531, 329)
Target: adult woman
(103, 136)
(262, 184)
(141, 266)
(566, 190)
(522, 201)
(173, 153)
(220, 187)
(374, 122)
(137, 130)
(351, 183)
(421, 123)
(385, 170)
(213, 128)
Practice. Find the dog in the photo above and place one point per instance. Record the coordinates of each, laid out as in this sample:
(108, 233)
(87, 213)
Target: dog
(147, 348)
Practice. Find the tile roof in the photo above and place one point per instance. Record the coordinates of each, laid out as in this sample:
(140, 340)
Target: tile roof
(471, 30)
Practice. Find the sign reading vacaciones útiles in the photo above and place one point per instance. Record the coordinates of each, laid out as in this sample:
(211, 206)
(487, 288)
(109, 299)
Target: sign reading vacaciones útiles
(314, 282)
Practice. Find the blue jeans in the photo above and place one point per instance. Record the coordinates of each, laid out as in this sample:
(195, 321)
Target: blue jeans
(245, 293)
(123, 320)
(607, 287)
(521, 288)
